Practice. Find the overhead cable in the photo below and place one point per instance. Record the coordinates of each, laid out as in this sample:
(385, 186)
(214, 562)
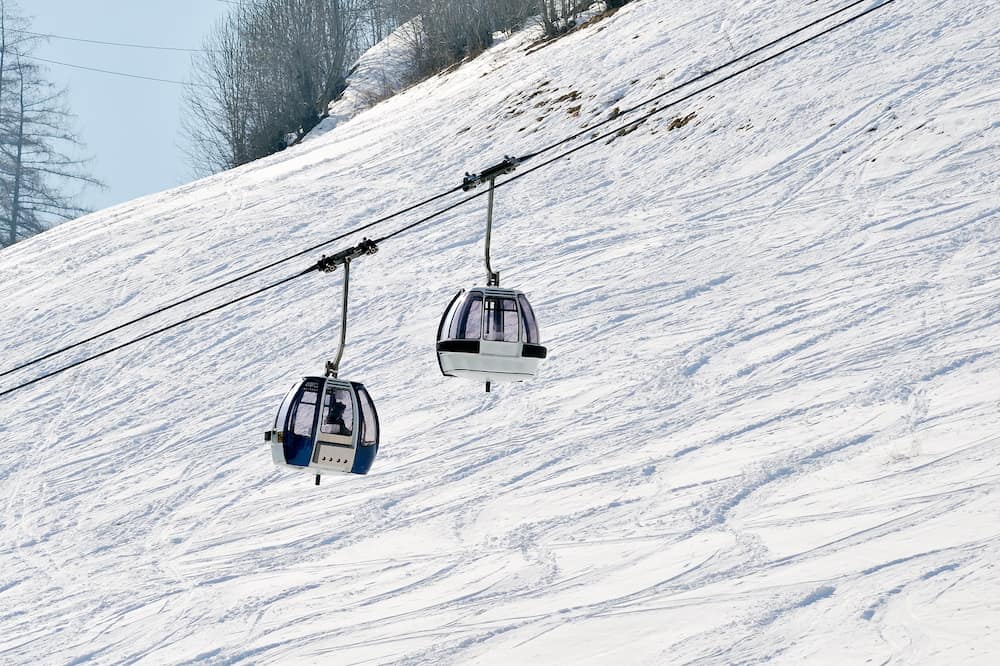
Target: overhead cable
(317, 266)
(151, 47)
(112, 72)
(432, 199)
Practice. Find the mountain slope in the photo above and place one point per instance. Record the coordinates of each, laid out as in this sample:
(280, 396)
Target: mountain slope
(768, 425)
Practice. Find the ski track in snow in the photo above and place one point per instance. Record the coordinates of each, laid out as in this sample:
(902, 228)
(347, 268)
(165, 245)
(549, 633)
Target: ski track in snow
(767, 429)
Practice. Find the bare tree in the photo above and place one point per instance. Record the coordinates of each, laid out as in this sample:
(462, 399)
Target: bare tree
(35, 167)
(559, 16)
(377, 16)
(449, 31)
(269, 72)
(271, 68)
(218, 122)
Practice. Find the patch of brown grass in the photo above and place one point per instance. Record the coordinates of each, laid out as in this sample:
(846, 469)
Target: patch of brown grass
(681, 121)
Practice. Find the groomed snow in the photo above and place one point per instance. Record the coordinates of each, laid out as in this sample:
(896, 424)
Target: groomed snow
(769, 425)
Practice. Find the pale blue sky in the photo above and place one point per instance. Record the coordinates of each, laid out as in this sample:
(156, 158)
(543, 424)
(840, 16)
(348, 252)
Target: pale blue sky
(130, 127)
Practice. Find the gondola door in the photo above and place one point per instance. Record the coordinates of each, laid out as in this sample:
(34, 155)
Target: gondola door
(336, 437)
(300, 427)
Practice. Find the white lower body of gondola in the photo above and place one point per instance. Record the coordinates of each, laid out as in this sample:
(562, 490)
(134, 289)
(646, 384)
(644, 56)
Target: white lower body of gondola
(327, 457)
(495, 362)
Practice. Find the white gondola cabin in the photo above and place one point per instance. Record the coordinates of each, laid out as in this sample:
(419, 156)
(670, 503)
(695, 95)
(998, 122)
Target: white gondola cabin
(325, 426)
(491, 335)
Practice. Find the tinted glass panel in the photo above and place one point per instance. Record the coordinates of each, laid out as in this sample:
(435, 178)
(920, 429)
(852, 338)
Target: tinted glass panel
(338, 412)
(467, 324)
(500, 321)
(369, 421)
(283, 410)
(305, 409)
(448, 317)
(528, 319)
(511, 322)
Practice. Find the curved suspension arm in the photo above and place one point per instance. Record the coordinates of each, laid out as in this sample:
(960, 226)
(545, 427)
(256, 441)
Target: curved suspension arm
(492, 277)
(490, 175)
(333, 367)
(329, 265)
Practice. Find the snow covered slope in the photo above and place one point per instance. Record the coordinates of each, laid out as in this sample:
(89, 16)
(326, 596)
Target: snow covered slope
(379, 73)
(768, 426)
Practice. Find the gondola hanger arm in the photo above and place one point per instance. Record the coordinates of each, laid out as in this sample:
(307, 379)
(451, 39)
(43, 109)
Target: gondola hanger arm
(329, 265)
(490, 176)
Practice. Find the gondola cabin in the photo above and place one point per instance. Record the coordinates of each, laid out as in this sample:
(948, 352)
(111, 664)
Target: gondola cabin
(325, 426)
(491, 335)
